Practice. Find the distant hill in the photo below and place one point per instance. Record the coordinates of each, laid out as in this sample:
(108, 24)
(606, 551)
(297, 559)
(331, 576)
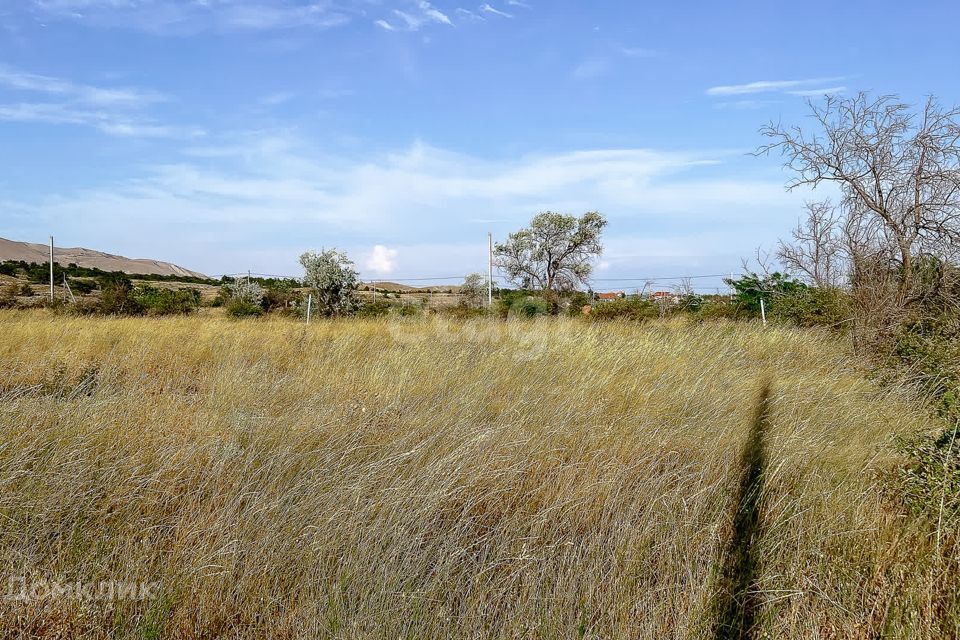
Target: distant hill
(38, 253)
(386, 285)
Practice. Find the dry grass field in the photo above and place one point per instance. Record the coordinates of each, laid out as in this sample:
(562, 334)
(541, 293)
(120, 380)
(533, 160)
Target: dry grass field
(428, 479)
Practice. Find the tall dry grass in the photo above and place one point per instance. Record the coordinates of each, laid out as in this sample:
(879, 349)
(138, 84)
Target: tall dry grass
(426, 479)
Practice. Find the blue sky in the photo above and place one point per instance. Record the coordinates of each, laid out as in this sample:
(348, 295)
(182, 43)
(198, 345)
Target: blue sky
(228, 135)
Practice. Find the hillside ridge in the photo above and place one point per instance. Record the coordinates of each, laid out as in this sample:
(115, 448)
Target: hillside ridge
(39, 253)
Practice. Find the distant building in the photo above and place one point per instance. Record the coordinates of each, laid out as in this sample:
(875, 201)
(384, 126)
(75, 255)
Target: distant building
(664, 296)
(613, 295)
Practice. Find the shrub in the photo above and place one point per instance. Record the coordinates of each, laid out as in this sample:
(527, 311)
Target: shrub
(82, 287)
(752, 288)
(808, 307)
(529, 307)
(464, 312)
(8, 297)
(625, 309)
(280, 298)
(240, 308)
(375, 309)
(930, 482)
(577, 302)
(407, 310)
(159, 302)
(116, 298)
(717, 309)
(247, 291)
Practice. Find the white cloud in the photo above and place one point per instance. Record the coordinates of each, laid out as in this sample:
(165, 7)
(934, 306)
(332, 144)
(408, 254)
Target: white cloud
(192, 16)
(639, 52)
(278, 98)
(593, 67)
(766, 86)
(486, 8)
(107, 122)
(381, 261)
(18, 80)
(267, 192)
(413, 18)
(114, 111)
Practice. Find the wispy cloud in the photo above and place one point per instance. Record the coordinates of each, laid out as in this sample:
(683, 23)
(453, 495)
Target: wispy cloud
(191, 16)
(608, 59)
(414, 17)
(486, 8)
(114, 111)
(767, 86)
(277, 183)
(110, 123)
(592, 67)
(278, 98)
(18, 80)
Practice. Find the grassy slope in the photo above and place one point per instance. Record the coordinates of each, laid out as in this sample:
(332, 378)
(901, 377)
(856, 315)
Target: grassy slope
(427, 479)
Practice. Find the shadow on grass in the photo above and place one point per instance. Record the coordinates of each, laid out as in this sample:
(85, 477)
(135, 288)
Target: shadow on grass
(737, 602)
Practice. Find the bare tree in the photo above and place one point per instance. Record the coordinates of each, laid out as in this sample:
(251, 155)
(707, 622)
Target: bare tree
(899, 173)
(818, 250)
(554, 254)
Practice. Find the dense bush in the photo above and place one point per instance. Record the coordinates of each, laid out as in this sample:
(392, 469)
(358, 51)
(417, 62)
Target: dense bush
(375, 309)
(9, 268)
(280, 298)
(930, 482)
(82, 287)
(625, 309)
(116, 298)
(808, 307)
(240, 308)
(159, 302)
(407, 310)
(752, 288)
(8, 296)
(464, 312)
(577, 301)
(717, 308)
(529, 307)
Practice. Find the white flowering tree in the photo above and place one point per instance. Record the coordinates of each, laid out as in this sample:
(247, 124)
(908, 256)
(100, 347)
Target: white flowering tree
(247, 291)
(332, 280)
(473, 291)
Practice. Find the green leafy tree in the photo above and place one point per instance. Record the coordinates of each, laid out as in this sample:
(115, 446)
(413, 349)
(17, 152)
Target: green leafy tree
(752, 288)
(554, 255)
(332, 280)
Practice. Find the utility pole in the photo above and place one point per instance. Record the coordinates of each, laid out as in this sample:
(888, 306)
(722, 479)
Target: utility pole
(309, 307)
(490, 270)
(51, 268)
(763, 311)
